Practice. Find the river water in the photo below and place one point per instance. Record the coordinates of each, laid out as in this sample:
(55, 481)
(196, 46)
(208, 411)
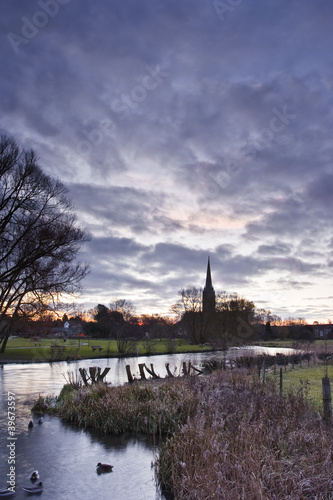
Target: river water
(65, 455)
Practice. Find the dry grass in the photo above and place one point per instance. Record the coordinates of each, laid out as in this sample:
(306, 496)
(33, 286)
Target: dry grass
(140, 408)
(246, 442)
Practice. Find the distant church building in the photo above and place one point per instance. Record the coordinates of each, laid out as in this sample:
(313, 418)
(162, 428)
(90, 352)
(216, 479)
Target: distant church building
(217, 322)
(201, 323)
(208, 296)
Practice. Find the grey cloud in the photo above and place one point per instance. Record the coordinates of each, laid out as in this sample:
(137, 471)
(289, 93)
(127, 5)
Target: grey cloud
(212, 143)
(276, 249)
(319, 191)
(103, 247)
(124, 207)
(294, 284)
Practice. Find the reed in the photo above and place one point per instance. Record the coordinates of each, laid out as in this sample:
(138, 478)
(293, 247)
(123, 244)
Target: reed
(246, 441)
(73, 378)
(140, 408)
(41, 405)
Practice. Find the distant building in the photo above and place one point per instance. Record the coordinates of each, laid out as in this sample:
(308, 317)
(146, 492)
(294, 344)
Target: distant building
(72, 329)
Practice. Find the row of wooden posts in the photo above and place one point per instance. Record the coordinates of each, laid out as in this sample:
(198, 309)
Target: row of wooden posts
(143, 368)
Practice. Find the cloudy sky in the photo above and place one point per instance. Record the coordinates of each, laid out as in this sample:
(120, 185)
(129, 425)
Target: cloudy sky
(184, 128)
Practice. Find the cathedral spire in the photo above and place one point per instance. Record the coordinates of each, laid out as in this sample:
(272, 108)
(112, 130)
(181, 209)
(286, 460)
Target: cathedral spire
(208, 296)
(208, 277)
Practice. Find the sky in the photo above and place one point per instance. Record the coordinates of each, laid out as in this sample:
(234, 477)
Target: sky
(184, 129)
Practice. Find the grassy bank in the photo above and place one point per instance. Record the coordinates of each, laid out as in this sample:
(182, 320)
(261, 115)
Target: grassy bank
(305, 381)
(227, 435)
(298, 344)
(19, 349)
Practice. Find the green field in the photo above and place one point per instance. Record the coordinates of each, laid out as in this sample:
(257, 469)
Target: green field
(292, 342)
(306, 381)
(19, 349)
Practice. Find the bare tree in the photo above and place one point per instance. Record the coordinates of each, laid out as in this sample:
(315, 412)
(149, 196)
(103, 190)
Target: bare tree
(39, 237)
(123, 306)
(189, 309)
(190, 300)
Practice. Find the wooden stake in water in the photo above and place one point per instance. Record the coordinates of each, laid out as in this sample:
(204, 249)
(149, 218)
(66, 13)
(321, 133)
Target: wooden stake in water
(129, 374)
(326, 386)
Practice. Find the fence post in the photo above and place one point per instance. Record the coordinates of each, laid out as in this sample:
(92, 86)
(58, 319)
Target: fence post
(129, 374)
(142, 370)
(281, 379)
(326, 386)
(262, 370)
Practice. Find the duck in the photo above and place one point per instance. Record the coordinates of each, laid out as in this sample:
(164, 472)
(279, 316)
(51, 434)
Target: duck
(103, 468)
(34, 476)
(30, 424)
(40, 420)
(6, 492)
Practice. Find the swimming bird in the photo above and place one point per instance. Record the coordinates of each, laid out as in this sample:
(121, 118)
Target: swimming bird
(6, 492)
(104, 468)
(30, 424)
(41, 420)
(34, 476)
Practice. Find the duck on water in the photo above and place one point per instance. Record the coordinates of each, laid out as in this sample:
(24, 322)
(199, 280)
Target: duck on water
(103, 468)
(5, 492)
(34, 476)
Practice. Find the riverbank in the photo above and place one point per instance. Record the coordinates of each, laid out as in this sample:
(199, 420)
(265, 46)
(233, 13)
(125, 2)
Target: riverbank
(21, 350)
(229, 435)
(46, 350)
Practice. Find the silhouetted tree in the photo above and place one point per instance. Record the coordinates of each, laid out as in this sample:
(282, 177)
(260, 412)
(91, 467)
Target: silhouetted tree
(125, 307)
(232, 308)
(39, 237)
(155, 325)
(189, 310)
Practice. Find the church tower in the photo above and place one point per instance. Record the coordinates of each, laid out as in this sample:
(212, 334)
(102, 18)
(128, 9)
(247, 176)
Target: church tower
(208, 296)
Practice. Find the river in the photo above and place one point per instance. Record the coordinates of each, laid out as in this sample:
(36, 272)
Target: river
(65, 455)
